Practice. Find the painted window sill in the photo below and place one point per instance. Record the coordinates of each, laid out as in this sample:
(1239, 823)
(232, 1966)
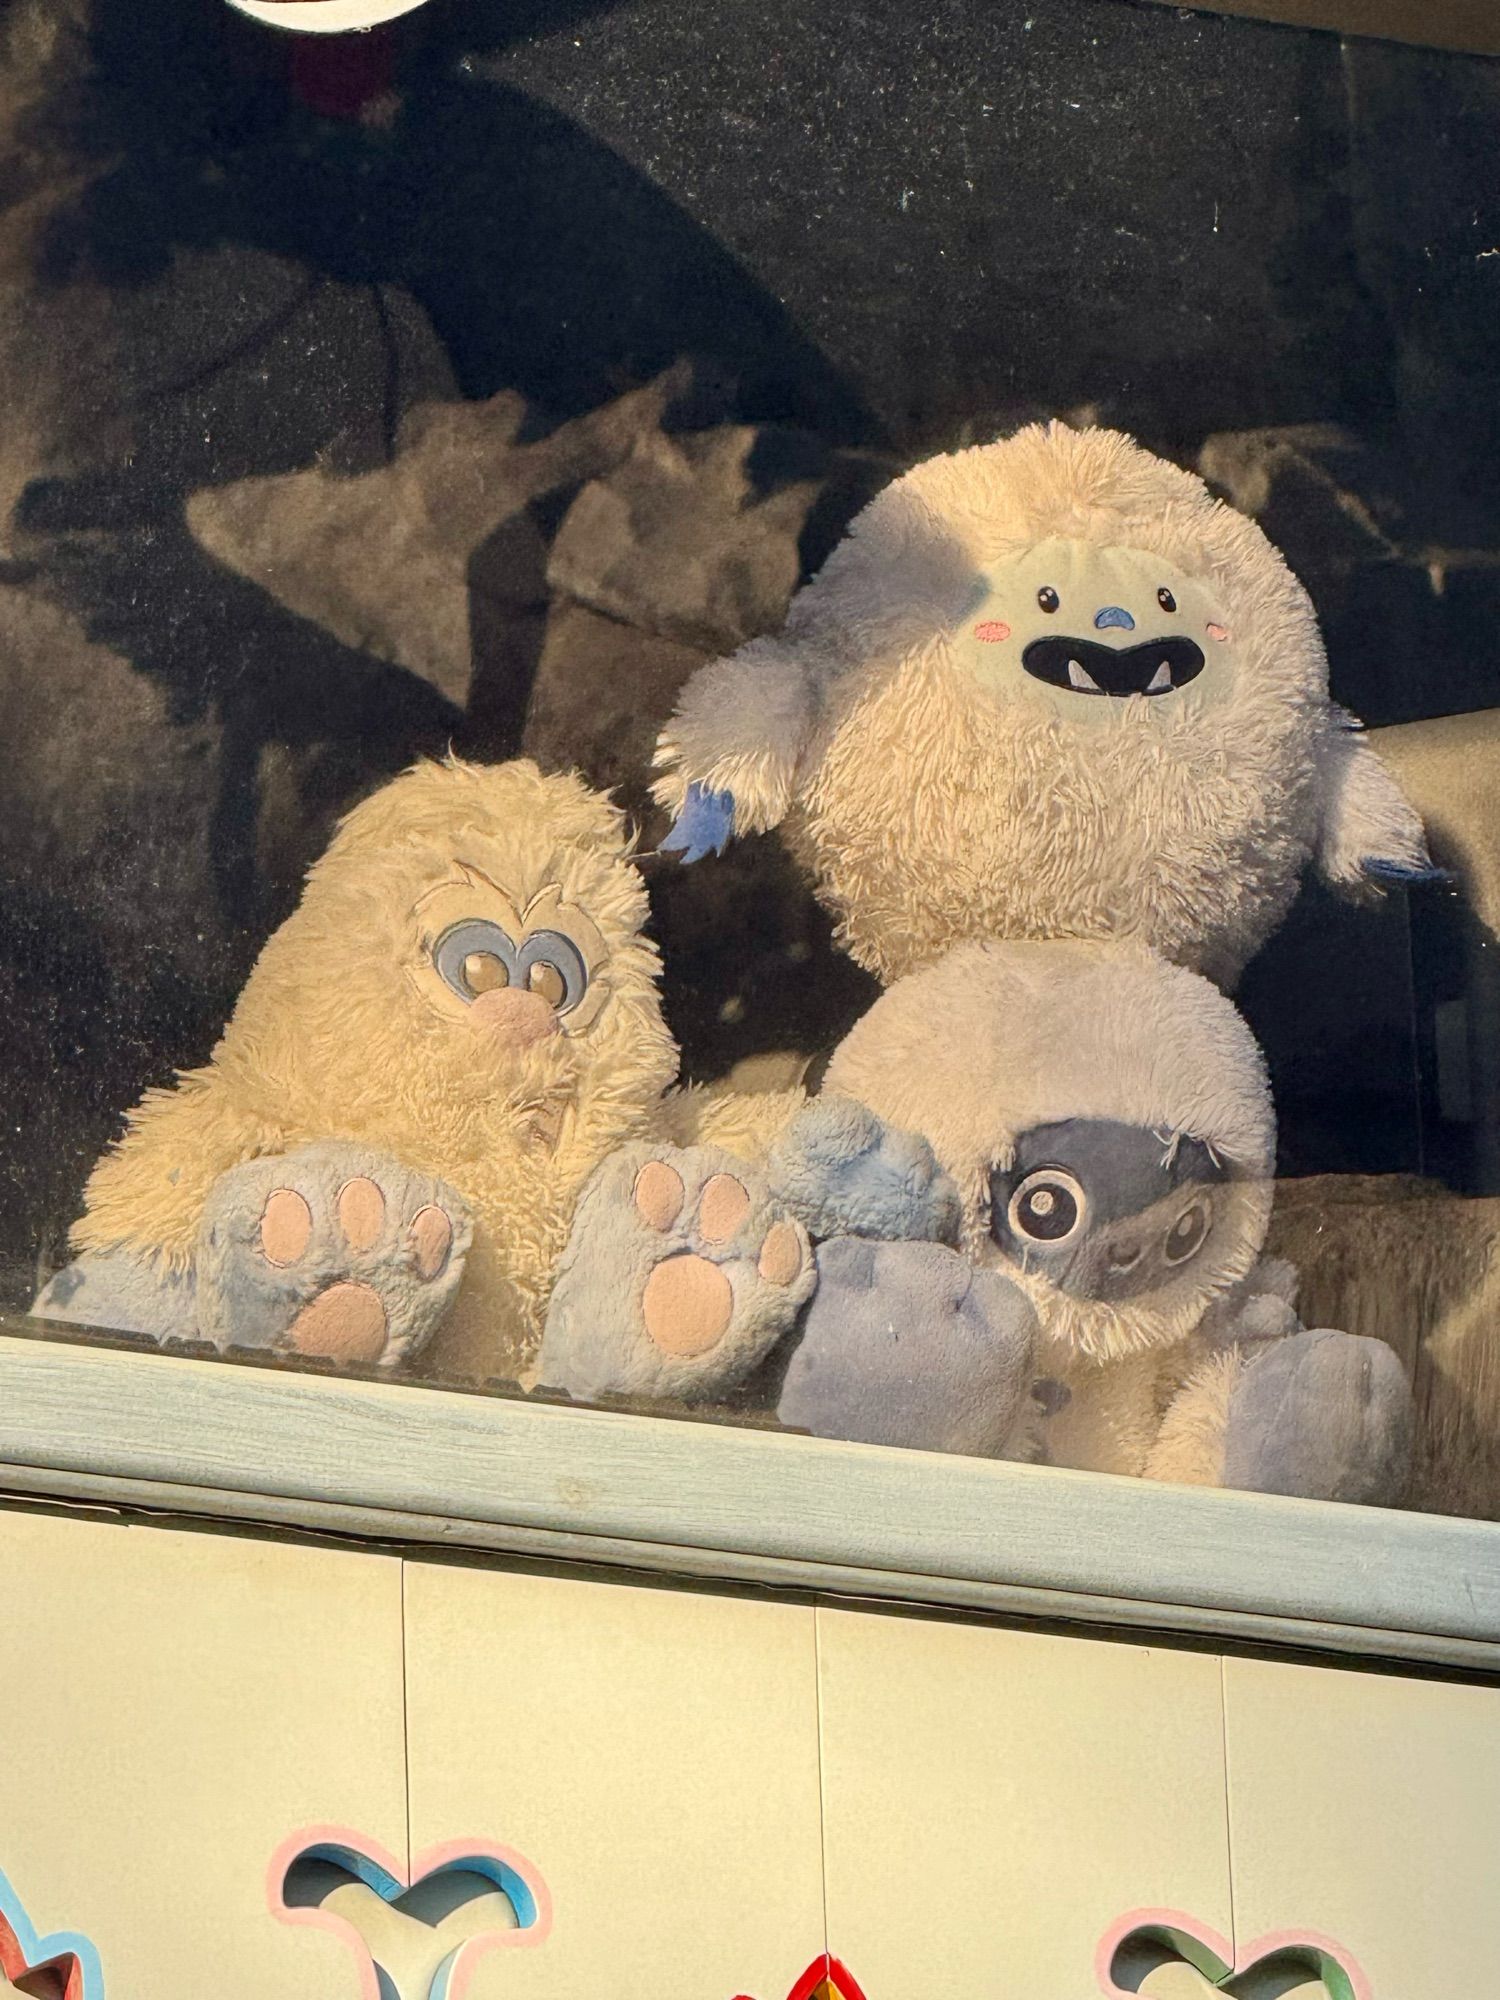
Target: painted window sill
(96, 1424)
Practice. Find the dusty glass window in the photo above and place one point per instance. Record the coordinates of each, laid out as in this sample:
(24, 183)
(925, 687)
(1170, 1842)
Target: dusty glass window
(966, 979)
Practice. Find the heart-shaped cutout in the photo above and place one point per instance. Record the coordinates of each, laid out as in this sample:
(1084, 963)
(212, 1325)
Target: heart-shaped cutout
(1167, 1955)
(63, 1966)
(418, 1934)
(824, 1979)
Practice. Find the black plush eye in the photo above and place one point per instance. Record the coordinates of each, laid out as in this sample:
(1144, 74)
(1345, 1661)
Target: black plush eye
(551, 964)
(1048, 598)
(1048, 1207)
(1165, 599)
(1186, 1236)
(475, 956)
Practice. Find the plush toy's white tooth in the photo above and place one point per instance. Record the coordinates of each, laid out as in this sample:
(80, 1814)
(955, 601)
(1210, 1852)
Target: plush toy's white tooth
(1080, 677)
(1160, 680)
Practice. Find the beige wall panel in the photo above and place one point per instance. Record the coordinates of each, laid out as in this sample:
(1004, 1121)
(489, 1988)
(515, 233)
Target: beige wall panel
(652, 1754)
(173, 1706)
(996, 1800)
(1367, 1808)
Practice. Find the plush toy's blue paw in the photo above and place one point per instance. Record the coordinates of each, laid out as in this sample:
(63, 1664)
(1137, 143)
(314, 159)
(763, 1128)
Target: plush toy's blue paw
(1322, 1416)
(334, 1250)
(681, 1275)
(122, 1292)
(844, 1172)
(1396, 875)
(910, 1344)
(705, 824)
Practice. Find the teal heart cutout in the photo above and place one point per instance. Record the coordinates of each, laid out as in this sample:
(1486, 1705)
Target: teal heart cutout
(1272, 1966)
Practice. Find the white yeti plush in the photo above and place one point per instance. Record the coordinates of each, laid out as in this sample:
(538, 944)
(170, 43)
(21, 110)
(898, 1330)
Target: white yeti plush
(1047, 687)
(1106, 1119)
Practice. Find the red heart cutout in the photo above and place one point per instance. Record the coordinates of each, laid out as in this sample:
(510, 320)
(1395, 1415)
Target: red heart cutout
(824, 1979)
(57, 1976)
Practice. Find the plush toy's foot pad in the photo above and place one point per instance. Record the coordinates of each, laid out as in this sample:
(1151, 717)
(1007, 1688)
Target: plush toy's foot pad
(680, 1276)
(911, 1344)
(333, 1250)
(1324, 1416)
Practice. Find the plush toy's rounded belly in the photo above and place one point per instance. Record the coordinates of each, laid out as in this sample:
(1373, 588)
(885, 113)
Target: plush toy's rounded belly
(936, 815)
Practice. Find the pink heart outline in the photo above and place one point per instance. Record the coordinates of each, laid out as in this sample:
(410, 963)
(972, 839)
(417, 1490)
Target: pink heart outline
(1205, 1936)
(433, 1859)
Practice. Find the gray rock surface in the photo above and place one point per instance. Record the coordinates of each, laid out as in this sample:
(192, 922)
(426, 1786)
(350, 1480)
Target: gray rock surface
(698, 537)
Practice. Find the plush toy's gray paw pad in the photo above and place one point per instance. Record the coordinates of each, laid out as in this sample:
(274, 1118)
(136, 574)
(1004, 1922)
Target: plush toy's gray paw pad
(910, 1344)
(843, 1171)
(679, 1277)
(333, 1250)
(1325, 1416)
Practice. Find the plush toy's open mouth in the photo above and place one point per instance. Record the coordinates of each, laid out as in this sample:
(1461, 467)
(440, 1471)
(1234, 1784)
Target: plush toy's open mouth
(1156, 666)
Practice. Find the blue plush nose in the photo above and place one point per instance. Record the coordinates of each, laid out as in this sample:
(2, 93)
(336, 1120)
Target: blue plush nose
(1113, 614)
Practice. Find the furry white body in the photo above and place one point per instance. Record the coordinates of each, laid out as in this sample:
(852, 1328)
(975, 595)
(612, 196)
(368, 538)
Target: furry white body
(995, 1040)
(936, 792)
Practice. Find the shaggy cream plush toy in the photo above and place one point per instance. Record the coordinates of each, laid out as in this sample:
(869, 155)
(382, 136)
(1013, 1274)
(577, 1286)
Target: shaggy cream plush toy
(381, 1162)
(1045, 688)
(455, 1026)
(1106, 1120)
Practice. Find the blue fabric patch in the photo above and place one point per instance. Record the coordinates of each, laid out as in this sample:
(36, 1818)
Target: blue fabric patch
(704, 826)
(1400, 876)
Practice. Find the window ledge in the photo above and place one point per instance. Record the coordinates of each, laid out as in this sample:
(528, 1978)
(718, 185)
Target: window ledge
(84, 1423)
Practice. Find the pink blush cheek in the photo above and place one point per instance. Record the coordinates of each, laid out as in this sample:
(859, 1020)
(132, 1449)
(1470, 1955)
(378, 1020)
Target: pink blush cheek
(1219, 632)
(992, 631)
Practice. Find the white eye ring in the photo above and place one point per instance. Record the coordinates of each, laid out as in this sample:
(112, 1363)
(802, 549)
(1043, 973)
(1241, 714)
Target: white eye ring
(1049, 1207)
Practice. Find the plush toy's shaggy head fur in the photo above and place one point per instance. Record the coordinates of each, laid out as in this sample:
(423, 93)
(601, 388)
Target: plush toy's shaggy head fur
(466, 968)
(464, 984)
(1047, 687)
(1178, 804)
(1105, 1116)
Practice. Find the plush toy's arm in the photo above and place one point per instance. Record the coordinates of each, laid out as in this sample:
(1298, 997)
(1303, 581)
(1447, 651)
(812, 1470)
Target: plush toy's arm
(844, 1172)
(733, 754)
(728, 757)
(746, 1123)
(148, 1192)
(839, 1169)
(1369, 834)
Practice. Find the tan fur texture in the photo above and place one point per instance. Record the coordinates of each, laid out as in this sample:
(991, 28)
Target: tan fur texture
(345, 1031)
(995, 1039)
(1189, 1447)
(936, 792)
(1415, 1265)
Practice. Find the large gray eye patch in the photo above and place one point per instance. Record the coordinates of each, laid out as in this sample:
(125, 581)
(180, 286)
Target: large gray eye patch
(1104, 1209)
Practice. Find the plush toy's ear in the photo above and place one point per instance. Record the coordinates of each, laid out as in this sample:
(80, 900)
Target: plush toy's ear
(1370, 833)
